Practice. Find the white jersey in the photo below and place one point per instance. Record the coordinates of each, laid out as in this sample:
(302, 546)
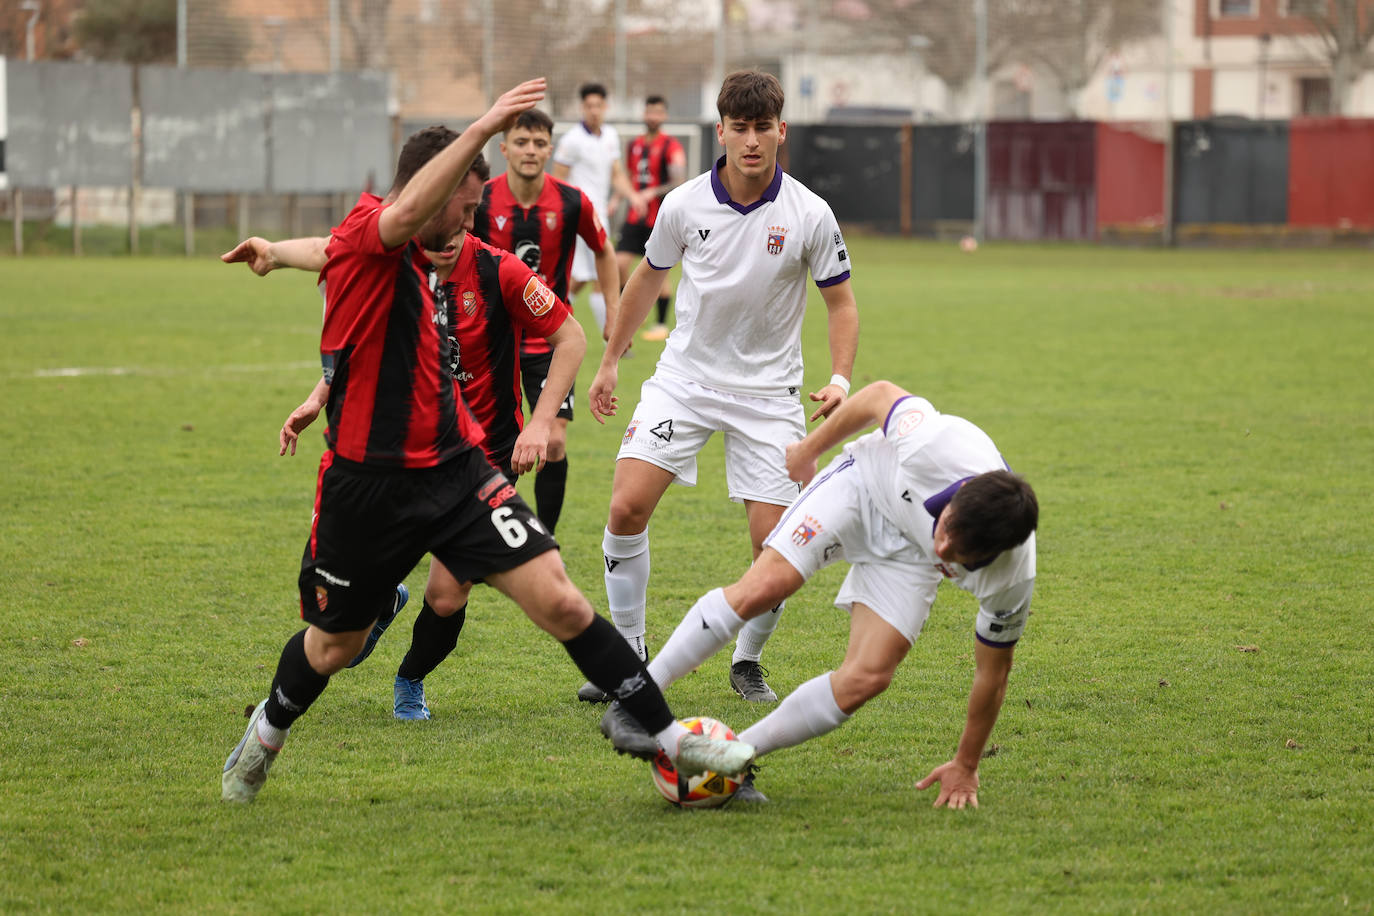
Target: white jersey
(911, 468)
(742, 295)
(589, 157)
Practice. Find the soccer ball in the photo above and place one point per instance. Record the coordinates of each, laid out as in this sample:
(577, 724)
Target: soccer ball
(706, 790)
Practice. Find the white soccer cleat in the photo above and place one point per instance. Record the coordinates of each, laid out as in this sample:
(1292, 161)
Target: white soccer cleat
(700, 754)
(246, 769)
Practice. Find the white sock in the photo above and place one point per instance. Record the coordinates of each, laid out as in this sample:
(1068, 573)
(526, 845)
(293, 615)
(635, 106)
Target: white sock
(670, 736)
(806, 712)
(708, 627)
(598, 304)
(749, 646)
(627, 583)
(270, 735)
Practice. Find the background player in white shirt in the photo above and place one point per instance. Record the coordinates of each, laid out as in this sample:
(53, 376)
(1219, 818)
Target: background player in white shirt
(926, 497)
(588, 157)
(747, 236)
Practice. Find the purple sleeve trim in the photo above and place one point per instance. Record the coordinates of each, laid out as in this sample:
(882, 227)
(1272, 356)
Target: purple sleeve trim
(994, 645)
(655, 266)
(893, 409)
(822, 284)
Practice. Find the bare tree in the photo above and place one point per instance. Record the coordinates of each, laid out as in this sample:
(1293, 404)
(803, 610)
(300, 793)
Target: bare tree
(1345, 29)
(366, 23)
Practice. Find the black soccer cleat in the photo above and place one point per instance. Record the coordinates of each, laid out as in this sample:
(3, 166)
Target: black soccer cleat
(626, 735)
(747, 793)
(747, 678)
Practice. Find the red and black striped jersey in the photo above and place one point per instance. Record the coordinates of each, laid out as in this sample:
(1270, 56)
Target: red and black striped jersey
(647, 161)
(385, 352)
(543, 236)
(494, 301)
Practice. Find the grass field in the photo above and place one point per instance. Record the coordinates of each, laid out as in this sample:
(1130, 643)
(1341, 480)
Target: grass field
(1188, 727)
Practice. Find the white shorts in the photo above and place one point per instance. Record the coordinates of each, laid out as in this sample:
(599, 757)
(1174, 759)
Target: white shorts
(584, 263)
(675, 417)
(834, 519)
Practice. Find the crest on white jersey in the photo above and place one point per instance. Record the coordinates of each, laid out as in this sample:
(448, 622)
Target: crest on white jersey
(777, 237)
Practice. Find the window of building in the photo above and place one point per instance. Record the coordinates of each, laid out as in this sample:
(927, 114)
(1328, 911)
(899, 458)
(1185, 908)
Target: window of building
(1232, 9)
(1314, 96)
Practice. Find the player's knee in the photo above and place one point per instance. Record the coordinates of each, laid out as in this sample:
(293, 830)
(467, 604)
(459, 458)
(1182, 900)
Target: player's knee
(626, 516)
(446, 602)
(854, 687)
(567, 613)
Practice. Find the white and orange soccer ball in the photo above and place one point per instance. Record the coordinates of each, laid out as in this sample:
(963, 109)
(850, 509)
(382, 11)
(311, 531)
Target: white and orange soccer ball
(707, 790)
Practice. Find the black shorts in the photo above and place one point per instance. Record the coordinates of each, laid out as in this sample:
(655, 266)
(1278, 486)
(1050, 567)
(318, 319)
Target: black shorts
(534, 370)
(633, 238)
(372, 526)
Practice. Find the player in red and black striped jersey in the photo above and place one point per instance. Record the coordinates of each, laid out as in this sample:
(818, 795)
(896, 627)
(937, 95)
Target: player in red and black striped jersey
(657, 164)
(399, 479)
(540, 218)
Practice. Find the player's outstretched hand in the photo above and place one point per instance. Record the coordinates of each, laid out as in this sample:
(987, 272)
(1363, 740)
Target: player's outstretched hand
(514, 101)
(799, 467)
(829, 397)
(295, 424)
(958, 785)
(255, 252)
(600, 396)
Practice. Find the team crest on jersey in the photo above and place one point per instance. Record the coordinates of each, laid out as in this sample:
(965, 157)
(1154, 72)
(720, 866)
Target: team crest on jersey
(500, 222)
(909, 421)
(321, 597)
(551, 220)
(777, 236)
(538, 297)
(804, 532)
(630, 430)
(469, 302)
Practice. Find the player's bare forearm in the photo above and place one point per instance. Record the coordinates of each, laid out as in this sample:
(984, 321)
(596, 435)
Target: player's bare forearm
(864, 409)
(432, 186)
(608, 275)
(993, 668)
(301, 254)
(302, 417)
(569, 344)
(635, 301)
(842, 316)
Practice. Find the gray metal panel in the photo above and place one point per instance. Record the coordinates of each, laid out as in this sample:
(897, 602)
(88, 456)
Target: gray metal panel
(69, 124)
(204, 130)
(330, 132)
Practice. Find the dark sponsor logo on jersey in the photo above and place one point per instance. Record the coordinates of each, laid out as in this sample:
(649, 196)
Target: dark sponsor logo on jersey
(997, 627)
(830, 551)
(528, 251)
(844, 255)
(777, 237)
(491, 486)
(538, 297)
(906, 495)
(664, 430)
(327, 364)
(703, 233)
(837, 238)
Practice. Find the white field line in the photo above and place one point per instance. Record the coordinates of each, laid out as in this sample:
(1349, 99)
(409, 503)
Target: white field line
(83, 371)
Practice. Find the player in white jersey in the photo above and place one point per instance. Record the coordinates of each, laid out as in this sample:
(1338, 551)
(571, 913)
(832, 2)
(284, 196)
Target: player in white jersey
(747, 236)
(925, 498)
(588, 157)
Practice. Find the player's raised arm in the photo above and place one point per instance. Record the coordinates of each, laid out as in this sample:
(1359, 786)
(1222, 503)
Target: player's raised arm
(958, 778)
(868, 407)
(842, 314)
(432, 186)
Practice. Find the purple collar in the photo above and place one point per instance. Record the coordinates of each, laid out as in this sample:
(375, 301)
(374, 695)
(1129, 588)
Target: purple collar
(770, 193)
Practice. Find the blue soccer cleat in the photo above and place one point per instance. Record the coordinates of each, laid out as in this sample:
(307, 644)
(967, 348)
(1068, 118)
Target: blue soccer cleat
(410, 699)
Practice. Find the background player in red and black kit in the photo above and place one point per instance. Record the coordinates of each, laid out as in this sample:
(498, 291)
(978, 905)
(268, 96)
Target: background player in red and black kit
(402, 475)
(657, 164)
(540, 218)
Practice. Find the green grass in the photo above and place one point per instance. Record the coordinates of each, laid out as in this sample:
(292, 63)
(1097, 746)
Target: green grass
(1188, 726)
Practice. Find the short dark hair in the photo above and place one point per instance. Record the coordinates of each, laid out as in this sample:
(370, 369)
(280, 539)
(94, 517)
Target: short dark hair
(587, 89)
(420, 147)
(751, 95)
(991, 513)
(534, 119)
(424, 145)
(656, 100)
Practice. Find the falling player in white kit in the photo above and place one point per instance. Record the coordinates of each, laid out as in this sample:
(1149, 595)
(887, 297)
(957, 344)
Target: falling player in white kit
(747, 236)
(588, 158)
(924, 498)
